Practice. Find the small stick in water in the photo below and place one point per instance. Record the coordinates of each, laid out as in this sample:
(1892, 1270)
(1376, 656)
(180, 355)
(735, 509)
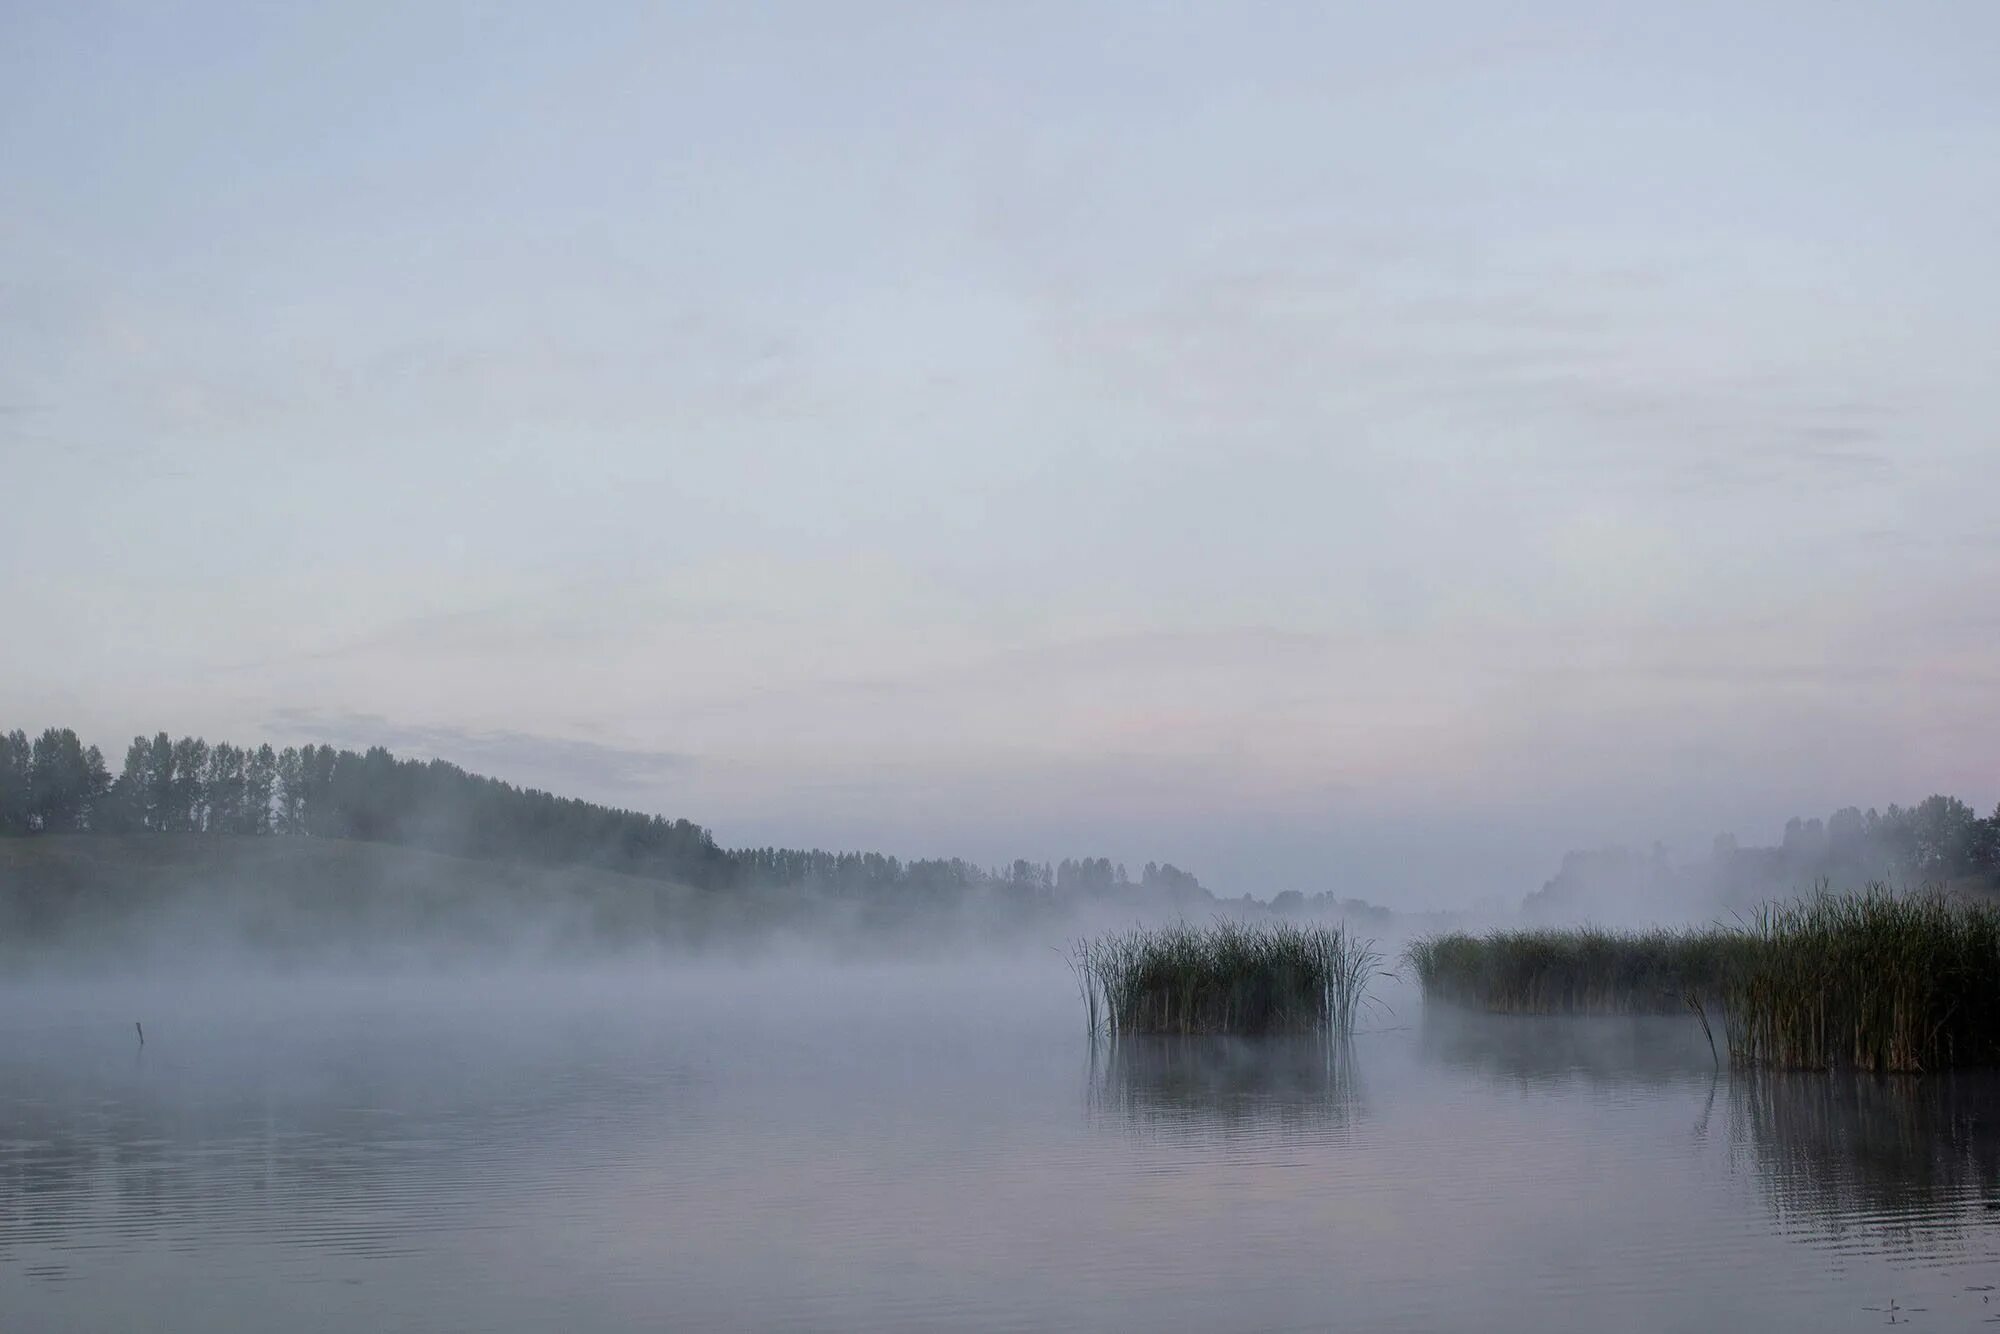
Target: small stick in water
(142, 1031)
(1694, 1003)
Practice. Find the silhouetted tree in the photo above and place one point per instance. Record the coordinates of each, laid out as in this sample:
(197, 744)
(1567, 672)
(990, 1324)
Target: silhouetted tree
(222, 785)
(1985, 846)
(189, 811)
(1942, 837)
(123, 809)
(260, 776)
(16, 806)
(65, 781)
(164, 795)
(289, 817)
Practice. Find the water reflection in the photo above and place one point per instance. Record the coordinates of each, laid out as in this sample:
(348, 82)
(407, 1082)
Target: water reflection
(1903, 1157)
(1875, 1162)
(1541, 1050)
(1226, 1083)
(710, 1164)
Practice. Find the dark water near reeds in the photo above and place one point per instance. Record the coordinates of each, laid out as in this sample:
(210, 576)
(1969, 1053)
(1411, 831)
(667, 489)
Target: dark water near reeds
(931, 1148)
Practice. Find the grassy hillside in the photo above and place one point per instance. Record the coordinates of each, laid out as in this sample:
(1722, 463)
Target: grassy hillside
(166, 893)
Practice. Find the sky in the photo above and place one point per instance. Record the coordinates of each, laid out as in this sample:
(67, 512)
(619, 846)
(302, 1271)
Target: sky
(1361, 448)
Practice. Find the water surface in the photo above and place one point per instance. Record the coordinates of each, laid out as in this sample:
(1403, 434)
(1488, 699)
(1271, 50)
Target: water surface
(938, 1147)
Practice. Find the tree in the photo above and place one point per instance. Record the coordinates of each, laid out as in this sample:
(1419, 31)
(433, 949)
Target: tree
(65, 782)
(1942, 837)
(1170, 881)
(290, 815)
(189, 785)
(1845, 834)
(96, 785)
(316, 792)
(162, 794)
(124, 806)
(223, 786)
(1985, 846)
(1085, 877)
(14, 800)
(260, 774)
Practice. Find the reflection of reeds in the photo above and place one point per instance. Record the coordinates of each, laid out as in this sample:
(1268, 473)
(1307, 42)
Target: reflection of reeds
(1226, 1082)
(1893, 1161)
(1893, 1153)
(1904, 1160)
(1873, 980)
(1224, 978)
(1607, 1049)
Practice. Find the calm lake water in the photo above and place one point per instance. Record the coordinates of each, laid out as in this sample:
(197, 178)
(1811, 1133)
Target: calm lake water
(934, 1147)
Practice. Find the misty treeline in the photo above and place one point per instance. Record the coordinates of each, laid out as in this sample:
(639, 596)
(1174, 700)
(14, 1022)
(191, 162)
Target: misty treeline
(861, 874)
(56, 784)
(1939, 841)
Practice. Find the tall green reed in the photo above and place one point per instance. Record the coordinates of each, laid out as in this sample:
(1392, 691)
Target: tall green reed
(1871, 980)
(1226, 977)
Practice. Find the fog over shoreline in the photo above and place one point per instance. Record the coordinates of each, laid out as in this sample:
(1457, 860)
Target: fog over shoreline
(195, 853)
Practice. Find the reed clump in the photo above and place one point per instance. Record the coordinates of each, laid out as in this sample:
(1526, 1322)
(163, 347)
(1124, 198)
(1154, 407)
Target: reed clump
(1875, 981)
(1574, 970)
(1871, 980)
(1235, 978)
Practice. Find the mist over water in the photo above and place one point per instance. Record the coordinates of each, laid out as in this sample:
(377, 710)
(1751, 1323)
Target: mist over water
(931, 1145)
(593, 598)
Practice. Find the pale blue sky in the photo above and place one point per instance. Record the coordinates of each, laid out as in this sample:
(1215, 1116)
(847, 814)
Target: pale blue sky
(1359, 447)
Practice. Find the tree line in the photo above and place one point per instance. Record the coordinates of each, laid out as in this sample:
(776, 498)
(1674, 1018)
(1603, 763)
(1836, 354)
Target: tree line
(1941, 840)
(56, 784)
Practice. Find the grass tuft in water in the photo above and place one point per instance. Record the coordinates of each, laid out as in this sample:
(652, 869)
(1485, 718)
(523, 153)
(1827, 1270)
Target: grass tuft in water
(1224, 978)
(1871, 980)
(1573, 970)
